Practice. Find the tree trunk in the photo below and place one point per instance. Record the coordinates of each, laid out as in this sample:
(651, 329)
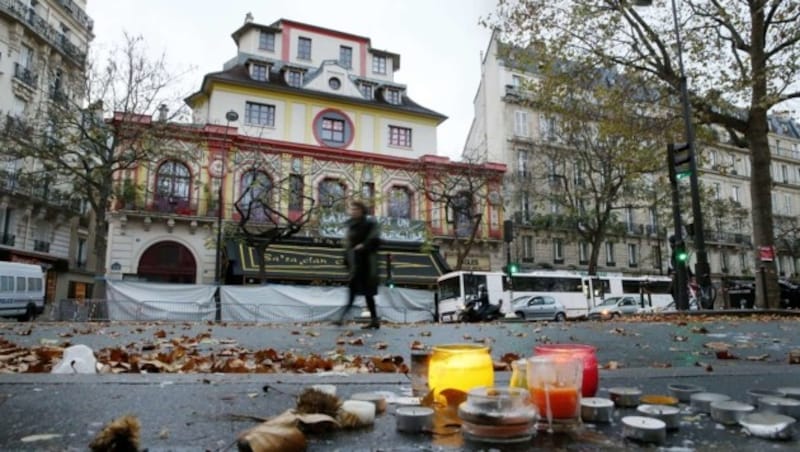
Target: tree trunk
(594, 255)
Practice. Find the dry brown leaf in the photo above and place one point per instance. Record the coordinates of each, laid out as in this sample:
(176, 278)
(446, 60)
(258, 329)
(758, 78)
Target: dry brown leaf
(705, 366)
(500, 366)
(120, 434)
(381, 346)
(160, 334)
(611, 365)
(725, 354)
(700, 330)
(758, 357)
(661, 365)
(268, 437)
(417, 345)
(356, 341)
(794, 357)
(717, 345)
(425, 333)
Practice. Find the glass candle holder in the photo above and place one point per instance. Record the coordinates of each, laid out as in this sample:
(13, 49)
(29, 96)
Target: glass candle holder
(497, 415)
(554, 383)
(459, 366)
(587, 353)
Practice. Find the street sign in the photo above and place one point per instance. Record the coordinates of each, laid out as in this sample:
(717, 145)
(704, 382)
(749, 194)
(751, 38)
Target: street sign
(766, 253)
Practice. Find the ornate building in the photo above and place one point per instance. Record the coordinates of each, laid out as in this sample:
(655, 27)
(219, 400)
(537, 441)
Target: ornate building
(312, 117)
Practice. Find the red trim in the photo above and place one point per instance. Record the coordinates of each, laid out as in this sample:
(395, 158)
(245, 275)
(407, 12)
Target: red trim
(362, 50)
(346, 118)
(286, 42)
(323, 31)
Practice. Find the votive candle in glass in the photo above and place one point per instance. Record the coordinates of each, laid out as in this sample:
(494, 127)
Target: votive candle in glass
(587, 353)
(460, 366)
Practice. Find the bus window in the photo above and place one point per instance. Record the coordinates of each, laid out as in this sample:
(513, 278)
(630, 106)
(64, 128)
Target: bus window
(20, 284)
(34, 284)
(450, 288)
(6, 283)
(471, 283)
(631, 285)
(662, 287)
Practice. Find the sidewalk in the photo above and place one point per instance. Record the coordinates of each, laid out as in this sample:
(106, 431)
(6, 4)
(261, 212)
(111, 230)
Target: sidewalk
(192, 412)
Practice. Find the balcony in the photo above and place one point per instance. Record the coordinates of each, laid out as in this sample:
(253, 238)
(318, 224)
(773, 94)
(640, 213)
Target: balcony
(25, 75)
(41, 246)
(8, 239)
(77, 13)
(34, 189)
(727, 238)
(27, 15)
(172, 204)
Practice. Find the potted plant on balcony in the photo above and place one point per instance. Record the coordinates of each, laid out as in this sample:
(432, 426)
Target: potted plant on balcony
(126, 195)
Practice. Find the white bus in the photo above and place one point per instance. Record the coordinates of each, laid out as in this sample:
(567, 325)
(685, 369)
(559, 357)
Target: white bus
(21, 290)
(577, 292)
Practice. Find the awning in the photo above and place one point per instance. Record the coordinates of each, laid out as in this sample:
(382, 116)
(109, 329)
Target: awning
(303, 260)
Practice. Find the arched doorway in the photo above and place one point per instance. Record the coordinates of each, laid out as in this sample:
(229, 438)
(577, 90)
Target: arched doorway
(168, 262)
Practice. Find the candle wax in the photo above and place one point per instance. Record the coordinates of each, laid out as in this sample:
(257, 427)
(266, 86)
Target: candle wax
(563, 401)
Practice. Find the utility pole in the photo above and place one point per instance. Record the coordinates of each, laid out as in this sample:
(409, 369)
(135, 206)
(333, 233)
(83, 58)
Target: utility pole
(679, 279)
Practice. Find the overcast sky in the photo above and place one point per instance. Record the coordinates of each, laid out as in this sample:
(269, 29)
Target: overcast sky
(439, 41)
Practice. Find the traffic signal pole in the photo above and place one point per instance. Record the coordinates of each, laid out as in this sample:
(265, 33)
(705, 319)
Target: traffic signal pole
(679, 279)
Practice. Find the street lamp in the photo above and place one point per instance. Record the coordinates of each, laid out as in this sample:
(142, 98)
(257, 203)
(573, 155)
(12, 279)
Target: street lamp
(230, 116)
(702, 269)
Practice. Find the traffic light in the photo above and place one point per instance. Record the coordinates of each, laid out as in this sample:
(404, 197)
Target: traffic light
(512, 268)
(681, 159)
(680, 252)
(508, 231)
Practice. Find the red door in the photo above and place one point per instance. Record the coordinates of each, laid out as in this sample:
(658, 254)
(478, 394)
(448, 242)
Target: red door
(168, 262)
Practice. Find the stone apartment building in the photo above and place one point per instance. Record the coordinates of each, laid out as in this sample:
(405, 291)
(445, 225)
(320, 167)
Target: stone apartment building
(43, 45)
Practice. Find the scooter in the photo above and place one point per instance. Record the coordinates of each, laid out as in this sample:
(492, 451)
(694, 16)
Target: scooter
(474, 313)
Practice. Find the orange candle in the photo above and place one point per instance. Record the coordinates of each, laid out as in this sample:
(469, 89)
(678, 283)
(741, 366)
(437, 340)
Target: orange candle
(563, 403)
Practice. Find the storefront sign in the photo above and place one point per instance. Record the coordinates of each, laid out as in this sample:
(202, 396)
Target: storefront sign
(476, 263)
(392, 229)
(766, 253)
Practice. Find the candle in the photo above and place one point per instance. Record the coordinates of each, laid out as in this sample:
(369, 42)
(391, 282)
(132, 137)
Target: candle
(791, 392)
(596, 409)
(327, 389)
(414, 419)
(378, 400)
(407, 401)
(755, 394)
(644, 429)
(625, 397)
(365, 411)
(419, 372)
(683, 392)
(587, 353)
(701, 401)
(461, 367)
(655, 399)
(780, 405)
(768, 425)
(729, 412)
(665, 413)
(559, 402)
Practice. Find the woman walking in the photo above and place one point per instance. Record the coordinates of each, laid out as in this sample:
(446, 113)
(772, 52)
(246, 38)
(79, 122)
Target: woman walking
(361, 258)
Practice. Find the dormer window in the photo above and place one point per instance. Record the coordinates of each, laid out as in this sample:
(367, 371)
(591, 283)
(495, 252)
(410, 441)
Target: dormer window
(294, 78)
(379, 64)
(259, 72)
(393, 96)
(266, 41)
(346, 57)
(303, 48)
(366, 90)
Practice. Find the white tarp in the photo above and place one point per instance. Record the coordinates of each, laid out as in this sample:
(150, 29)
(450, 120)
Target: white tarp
(287, 303)
(129, 300)
(270, 303)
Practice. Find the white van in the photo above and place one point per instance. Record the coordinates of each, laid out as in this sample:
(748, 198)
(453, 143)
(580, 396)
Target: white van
(21, 290)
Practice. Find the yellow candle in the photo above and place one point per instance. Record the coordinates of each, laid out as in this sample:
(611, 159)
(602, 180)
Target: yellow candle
(461, 367)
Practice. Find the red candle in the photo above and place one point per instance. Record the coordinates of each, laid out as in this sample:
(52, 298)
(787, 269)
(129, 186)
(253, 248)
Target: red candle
(563, 403)
(587, 352)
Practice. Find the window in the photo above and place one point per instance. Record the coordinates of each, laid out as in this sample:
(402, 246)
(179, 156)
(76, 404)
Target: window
(258, 72)
(610, 254)
(527, 247)
(6, 283)
(334, 83)
(366, 90)
(558, 251)
(717, 191)
(400, 136)
(346, 56)
(787, 204)
(80, 254)
(516, 81)
(583, 253)
(172, 181)
(21, 287)
(461, 215)
(295, 192)
(554, 207)
(368, 195)
(629, 218)
(522, 163)
(304, 48)
(399, 203)
(633, 255)
(521, 123)
(525, 205)
(712, 159)
(723, 262)
(393, 96)
(259, 114)
(735, 193)
(332, 194)
(266, 41)
(332, 130)
(294, 78)
(256, 194)
(785, 174)
(379, 64)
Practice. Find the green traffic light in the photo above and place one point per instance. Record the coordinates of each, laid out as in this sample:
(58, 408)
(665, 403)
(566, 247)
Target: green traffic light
(513, 268)
(682, 256)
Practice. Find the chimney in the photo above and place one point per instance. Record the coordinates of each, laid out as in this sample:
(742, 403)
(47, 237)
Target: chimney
(162, 112)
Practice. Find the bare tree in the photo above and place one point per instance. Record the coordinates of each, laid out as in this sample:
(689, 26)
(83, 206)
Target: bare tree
(86, 132)
(743, 58)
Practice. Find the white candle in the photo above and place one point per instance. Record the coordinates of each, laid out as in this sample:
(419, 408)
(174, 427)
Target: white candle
(327, 389)
(791, 392)
(625, 397)
(414, 419)
(701, 401)
(407, 401)
(596, 409)
(378, 400)
(729, 412)
(646, 429)
(683, 392)
(365, 411)
(667, 414)
(756, 394)
(780, 405)
(768, 425)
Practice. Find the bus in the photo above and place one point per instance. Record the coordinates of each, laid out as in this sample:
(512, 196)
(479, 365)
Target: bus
(578, 292)
(21, 290)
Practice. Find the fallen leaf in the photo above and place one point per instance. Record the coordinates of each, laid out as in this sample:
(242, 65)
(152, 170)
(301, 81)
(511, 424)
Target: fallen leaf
(425, 333)
(680, 338)
(725, 354)
(417, 345)
(164, 433)
(661, 365)
(500, 365)
(381, 346)
(611, 365)
(160, 334)
(758, 357)
(40, 437)
(356, 341)
(706, 366)
(268, 437)
(700, 330)
(120, 434)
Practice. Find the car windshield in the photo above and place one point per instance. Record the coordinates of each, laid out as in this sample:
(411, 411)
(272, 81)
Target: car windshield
(609, 301)
(523, 299)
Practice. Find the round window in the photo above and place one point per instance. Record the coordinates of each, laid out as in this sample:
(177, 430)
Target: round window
(334, 83)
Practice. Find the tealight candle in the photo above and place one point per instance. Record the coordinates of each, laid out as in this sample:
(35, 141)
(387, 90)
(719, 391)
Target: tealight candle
(683, 392)
(655, 399)
(768, 425)
(729, 412)
(625, 397)
(414, 419)
(365, 411)
(327, 389)
(755, 394)
(644, 429)
(791, 392)
(780, 405)
(596, 409)
(667, 414)
(378, 400)
(701, 401)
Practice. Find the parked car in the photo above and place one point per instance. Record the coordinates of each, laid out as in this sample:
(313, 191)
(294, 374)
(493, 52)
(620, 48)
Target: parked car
(613, 307)
(693, 306)
(538, 307)
(790, 294)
